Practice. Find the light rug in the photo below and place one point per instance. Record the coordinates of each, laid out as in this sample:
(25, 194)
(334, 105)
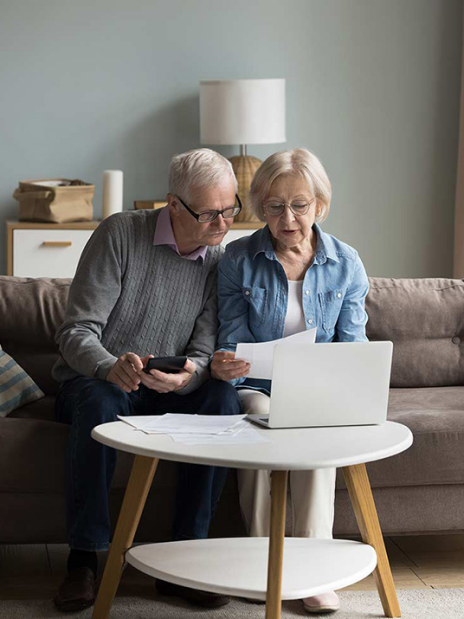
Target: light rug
(415, 604)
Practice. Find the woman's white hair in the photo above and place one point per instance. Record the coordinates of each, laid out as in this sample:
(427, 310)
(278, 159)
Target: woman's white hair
(201, 167)
(298, 161)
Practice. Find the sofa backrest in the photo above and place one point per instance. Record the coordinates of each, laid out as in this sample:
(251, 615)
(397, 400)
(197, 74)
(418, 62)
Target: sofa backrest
(424, 318)
(30, 312)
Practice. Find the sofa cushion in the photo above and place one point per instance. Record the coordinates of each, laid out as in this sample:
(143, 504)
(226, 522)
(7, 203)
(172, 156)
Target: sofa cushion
(43, 410)
(32, 455)
(435, 416)
(16, 386)
(33, 452)
(424, 318)
(31, 310)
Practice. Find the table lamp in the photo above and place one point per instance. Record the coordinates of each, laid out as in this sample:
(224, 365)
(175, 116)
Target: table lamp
(243, 112)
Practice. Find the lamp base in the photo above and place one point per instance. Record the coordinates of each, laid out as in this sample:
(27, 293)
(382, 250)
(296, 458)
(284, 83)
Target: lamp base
(245, 168)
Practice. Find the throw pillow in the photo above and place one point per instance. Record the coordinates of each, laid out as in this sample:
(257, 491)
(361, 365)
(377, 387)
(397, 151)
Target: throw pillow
(16, 387)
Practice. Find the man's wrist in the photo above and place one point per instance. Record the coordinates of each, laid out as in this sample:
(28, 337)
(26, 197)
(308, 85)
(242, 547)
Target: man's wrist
(187, 380)
(103, 367)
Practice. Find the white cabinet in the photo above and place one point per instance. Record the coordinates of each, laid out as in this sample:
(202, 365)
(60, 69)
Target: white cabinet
(46, 250)
(53, 250)
(47, 253)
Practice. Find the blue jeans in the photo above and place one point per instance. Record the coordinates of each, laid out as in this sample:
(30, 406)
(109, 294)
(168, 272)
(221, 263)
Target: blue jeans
(87, 402)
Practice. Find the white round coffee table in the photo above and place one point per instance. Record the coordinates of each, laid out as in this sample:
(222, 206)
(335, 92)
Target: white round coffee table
(271, 568)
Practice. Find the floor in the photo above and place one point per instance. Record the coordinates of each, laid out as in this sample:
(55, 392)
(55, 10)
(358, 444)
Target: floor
(418, 562)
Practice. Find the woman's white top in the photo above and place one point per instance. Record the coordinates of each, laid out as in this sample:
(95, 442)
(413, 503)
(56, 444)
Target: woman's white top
(294, 320)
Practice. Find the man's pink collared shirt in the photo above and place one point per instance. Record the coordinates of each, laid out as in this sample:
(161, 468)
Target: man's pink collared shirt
(164, 235)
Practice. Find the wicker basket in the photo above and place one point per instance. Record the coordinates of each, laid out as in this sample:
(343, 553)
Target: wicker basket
(55, 200)
(245, 168)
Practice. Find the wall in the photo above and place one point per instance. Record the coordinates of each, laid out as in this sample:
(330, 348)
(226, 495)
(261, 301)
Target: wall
(372, 88)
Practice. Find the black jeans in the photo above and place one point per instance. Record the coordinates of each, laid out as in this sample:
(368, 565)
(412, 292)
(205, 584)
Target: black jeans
(87, 402)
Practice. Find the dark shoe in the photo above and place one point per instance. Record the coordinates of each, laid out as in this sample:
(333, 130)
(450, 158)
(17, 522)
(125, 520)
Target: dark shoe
(77, 591)
(199, 598)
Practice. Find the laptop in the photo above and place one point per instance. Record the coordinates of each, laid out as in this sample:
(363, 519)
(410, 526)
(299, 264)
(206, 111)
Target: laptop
(335, 384)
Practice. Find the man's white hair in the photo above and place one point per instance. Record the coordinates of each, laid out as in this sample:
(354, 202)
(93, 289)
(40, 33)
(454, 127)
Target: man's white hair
(201, 167)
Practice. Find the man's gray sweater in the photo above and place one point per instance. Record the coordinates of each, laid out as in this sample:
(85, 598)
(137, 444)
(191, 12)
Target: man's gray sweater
(129, 295)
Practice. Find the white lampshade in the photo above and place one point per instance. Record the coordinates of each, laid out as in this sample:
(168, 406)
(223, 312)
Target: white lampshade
(242, 111)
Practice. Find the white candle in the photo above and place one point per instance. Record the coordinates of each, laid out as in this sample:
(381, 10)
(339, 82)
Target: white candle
(112, 192)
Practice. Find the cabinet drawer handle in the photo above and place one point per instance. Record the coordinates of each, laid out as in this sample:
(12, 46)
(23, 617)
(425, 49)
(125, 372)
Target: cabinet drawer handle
(57, 243)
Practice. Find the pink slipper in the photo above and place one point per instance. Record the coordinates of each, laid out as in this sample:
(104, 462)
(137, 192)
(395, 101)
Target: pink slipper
(323, 603)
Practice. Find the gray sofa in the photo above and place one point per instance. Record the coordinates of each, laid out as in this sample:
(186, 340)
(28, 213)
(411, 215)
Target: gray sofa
(418, 491)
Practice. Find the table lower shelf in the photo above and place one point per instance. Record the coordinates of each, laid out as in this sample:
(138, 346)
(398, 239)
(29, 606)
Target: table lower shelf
(238, 566)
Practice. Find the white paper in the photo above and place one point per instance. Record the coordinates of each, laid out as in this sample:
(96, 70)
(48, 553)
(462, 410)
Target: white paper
(137, 421)
(198, 429)
(261, 355)
(183, 423)
(248, 435)
(188, 431)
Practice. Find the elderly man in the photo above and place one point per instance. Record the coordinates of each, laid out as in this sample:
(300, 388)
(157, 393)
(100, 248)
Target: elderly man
(145, 286)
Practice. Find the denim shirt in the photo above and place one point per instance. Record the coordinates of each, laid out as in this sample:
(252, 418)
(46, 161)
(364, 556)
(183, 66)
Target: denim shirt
(253, 294)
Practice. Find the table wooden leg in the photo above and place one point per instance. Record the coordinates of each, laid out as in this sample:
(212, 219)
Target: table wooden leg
(362, 500)
(276, 544)
(143, 471)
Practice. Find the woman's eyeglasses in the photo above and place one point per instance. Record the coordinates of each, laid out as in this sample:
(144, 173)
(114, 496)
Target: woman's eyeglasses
(275, 209)
(208, 216)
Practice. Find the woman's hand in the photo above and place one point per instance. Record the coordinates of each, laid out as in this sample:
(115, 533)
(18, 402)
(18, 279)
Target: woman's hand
(225, 366)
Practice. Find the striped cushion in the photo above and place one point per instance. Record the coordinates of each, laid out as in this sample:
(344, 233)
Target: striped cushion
(16, 387)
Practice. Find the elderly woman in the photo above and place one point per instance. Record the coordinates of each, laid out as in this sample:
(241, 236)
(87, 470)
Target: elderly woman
(285, 278)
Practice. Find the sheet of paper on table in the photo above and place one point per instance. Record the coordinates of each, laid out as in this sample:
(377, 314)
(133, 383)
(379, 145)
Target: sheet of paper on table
(198, 429)
(261, 355)
(171, 423)
(241, 433)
